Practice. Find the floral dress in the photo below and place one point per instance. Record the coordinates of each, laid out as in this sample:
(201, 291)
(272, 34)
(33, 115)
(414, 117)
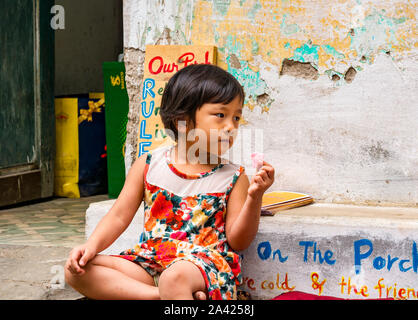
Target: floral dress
(184, 219)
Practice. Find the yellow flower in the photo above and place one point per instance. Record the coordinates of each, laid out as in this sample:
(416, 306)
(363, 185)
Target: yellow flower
(147, 197)
(199, 218)
(137, 248)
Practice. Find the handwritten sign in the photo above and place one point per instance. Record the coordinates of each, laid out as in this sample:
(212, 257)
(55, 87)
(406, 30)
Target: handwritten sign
(355, 268)
(161, 63)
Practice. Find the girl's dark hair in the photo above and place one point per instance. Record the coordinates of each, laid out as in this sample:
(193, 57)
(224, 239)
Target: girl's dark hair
(191, 87)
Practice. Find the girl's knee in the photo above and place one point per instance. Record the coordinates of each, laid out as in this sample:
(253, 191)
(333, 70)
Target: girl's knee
(169, 278)
(181, 276)
(76, 279)
(171, 285)
(70, 278)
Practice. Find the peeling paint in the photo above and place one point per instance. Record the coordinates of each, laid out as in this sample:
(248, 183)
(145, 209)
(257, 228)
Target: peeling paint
(264, 101)
(234, 62)
(147, 20)
(256, 7)
(255, 47)
(330, 50)
(350, 74)
(299, 69)
(221, 6)
(288, 29)
(335, 76)
(377, 32)
(249, 79)
(354, 62)
(306, 53)
(334, 40)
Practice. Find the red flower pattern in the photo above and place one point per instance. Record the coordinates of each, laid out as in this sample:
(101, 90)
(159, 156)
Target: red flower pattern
(202, 241)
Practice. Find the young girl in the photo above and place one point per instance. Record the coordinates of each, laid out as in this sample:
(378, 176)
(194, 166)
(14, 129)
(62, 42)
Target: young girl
(197, 213)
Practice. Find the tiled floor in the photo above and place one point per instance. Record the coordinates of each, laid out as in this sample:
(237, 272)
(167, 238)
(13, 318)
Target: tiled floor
(54, 222)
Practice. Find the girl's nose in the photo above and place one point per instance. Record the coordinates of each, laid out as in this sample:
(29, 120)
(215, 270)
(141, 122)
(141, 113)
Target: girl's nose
(229, 126)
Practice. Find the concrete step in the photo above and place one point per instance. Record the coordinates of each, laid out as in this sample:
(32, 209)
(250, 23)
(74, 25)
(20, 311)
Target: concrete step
(97, 210)
(346, 251)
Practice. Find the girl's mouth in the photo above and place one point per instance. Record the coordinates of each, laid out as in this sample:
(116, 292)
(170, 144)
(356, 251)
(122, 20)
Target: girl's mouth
(226, 140)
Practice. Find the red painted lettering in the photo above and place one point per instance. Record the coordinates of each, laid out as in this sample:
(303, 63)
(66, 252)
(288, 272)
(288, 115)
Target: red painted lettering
(157, 65)
(167, 68)
(250, 284)
(150, 65)
(186, 58)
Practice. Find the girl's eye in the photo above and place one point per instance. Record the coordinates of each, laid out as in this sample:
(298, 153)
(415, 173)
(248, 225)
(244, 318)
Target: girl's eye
(220, 115)
(237, 118)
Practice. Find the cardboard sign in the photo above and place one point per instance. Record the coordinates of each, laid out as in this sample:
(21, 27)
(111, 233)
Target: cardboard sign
(116, 116)
(80, 165)
(161, 63)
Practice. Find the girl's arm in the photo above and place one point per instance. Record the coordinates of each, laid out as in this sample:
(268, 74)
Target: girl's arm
(244, 207)
(114, 222)
(123, 210)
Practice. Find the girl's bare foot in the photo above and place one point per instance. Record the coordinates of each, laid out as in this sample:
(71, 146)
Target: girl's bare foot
(199, 295)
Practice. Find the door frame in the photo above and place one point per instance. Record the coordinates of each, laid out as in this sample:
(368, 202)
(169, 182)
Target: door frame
(36, 180)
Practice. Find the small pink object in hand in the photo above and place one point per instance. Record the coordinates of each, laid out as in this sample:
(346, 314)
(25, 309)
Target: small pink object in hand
(257, 159)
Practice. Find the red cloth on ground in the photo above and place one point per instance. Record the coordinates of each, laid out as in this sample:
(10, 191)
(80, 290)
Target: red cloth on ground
(298, 295)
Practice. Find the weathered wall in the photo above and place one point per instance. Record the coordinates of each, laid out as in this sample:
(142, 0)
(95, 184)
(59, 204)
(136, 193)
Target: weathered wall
(334, 88)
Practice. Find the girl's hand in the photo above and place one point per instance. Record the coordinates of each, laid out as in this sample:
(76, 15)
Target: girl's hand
(261, 181)
(78, 258)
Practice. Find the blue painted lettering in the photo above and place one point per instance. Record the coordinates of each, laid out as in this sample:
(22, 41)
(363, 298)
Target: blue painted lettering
(415, 257)
(278, 253)
(402, 268)
(317, 253)
(264, 252)
(149, 84)
(328, 256)
(142, 146)
(144, 112)
(379, 263)
(391, 261)
(142, 133)
(358, 256)
(363, 249)
(307, 244)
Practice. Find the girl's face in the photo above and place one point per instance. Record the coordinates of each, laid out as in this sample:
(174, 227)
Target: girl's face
(216, 126)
